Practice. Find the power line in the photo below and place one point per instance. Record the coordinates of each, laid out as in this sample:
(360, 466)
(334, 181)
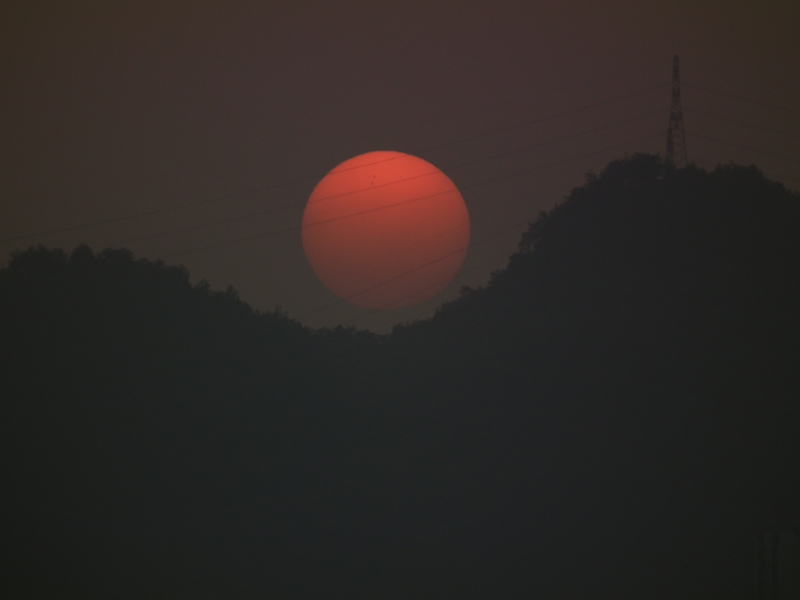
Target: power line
(565, 113)
(751, 125)
(734, 145)
(266, 188)
(673, 116)
(738, 97)
(470, 186)
(451, 168)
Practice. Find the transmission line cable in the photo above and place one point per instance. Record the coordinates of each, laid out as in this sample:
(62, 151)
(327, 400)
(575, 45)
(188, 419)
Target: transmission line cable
(451, 168)
(261, 189)
(565, 113)
(470, 186)
(751, 125)
(738, 97)
(734, 145)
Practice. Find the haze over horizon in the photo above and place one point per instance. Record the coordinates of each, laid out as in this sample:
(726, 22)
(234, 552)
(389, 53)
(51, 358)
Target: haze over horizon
(192, 132)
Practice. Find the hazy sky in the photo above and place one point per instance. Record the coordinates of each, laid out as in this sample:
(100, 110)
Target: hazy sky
(195, 131)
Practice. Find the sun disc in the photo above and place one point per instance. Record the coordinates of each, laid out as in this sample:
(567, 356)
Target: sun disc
(385, 230)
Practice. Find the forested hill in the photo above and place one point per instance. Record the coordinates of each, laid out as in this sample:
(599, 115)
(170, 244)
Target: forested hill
(613, 415)
(651, 266)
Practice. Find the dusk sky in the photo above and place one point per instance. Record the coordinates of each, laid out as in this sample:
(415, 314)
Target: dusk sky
(195, 131)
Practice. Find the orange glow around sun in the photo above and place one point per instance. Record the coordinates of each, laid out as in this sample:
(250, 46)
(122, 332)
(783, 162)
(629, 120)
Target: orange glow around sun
(385, 230)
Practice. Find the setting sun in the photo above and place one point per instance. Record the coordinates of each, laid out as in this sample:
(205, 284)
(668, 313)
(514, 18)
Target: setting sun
(385, 230)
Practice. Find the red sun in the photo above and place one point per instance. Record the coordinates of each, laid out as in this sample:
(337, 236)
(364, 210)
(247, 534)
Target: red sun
(385, 230)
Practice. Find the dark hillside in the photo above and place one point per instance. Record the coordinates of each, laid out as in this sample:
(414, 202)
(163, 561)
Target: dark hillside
(148, 423)
(613, 416)
(645, 269)
(637, 365)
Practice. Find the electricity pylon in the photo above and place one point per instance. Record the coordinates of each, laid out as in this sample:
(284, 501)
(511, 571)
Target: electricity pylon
(676, 138)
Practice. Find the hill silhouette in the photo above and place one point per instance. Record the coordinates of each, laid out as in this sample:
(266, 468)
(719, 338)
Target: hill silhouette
(614, 414)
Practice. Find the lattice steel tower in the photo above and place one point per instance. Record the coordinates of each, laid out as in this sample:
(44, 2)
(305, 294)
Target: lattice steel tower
(676, 138)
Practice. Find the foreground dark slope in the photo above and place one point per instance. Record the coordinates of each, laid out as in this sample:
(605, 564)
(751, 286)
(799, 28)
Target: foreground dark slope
(633, 385)
(613, 416)
(159, 439)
